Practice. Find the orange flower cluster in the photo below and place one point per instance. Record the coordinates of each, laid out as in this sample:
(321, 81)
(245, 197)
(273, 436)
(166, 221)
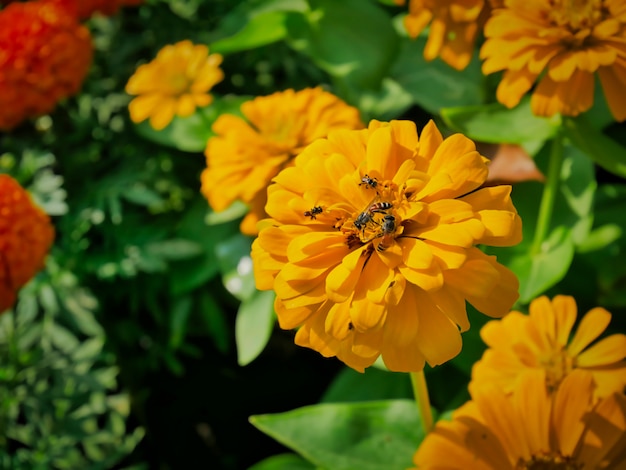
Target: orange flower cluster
(86, 8)
(25, 237)
(45, 55)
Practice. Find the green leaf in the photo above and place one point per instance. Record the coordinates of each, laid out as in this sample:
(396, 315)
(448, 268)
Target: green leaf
(380, 435)
(215, 321)
(540, 272)
(259, 31)
(179, 319)
(435, 85)
(603, 150)
(234, 260)
(190, 134)
(356, 53)
(373, 384)
(496, 124)
(253, 326)
(283, 462)
(174, 249)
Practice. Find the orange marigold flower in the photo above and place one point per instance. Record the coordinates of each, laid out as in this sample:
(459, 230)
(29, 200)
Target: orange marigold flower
(248, 152)
(371, 245)
(541, 340)
(454, 26)
(531, 429)
(44, 57)
(86, 8)
(25, 238)
(176, 82)
(561, 44)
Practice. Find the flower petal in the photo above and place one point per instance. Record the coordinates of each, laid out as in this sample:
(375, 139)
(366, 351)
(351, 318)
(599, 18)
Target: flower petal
(591, 326)
(606, 351)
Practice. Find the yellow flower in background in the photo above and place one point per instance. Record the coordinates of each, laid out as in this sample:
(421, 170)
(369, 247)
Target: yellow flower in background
(370, 245)
(561, 44)
(531, 429)
(176, 82)
(454, 26)
(541, 340)
(248, 152)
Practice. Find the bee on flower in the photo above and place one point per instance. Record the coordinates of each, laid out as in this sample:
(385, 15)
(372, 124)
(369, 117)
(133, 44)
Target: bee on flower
(386, 269)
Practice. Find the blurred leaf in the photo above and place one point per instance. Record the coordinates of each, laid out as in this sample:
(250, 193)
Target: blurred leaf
(434, 85)
(213, 317)
(174, 249)
(253, 326)
(496, 124)
(141, 195)
(283, 462)
(374, 384)
(603, 150)
(378, 435)
(179, 318)
(233, 212)
(190, 134)
(347, 50)
(260, 30)
(235, 264)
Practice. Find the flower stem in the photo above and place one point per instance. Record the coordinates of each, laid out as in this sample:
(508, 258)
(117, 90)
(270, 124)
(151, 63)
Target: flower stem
(420, 390)
(549, 193)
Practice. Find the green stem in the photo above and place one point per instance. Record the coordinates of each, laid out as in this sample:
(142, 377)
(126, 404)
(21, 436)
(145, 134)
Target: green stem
(549, 193)
(420, 390)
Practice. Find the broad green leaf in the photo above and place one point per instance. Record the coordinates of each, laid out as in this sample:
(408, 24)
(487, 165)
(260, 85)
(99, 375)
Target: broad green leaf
(379, 435)
(601, 149)
(253, 326)
(496, 124)
(537, 273)
(283, 462)
(190, 134)
(259, 31)
(434, 85)
(373, 384)
(214, 319)
(352, 40)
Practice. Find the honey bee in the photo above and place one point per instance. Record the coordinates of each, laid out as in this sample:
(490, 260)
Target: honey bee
(369, 182)
(314, 212)
(363, 219)
(388, 227)
(379, 207)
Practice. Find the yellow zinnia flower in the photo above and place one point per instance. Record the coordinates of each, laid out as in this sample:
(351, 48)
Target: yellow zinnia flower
(248, 152)
(454, 26)
(541, 340)
(370, 245)
(174, 83)
(531, 429)
(561, 44)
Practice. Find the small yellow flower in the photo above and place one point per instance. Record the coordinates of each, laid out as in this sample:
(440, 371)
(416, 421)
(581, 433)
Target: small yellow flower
(531, 429)
(454, 26)
(174, 83)
(541, 340)
(371, 245)
(247, 153)
(561, 44)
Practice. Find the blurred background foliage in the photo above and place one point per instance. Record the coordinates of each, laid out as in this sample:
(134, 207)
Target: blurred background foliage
(143, 343)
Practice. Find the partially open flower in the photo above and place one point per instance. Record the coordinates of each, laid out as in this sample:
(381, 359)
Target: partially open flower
(454, 27)
(175, 83)
(560, 45)
(541, 340)
(248, 152)
(531, 429)
(25, 238)
(371, 245)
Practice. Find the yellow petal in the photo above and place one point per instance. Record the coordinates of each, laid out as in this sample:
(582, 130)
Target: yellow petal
(163, 115)
(591, 326)
(565, 312)
(342, 280)
(606, 351)
(613, 80)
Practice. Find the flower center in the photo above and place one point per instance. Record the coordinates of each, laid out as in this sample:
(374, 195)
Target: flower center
(557, 365)
(552, 461)
(576, 15)
(178, 83)
(377, 223)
